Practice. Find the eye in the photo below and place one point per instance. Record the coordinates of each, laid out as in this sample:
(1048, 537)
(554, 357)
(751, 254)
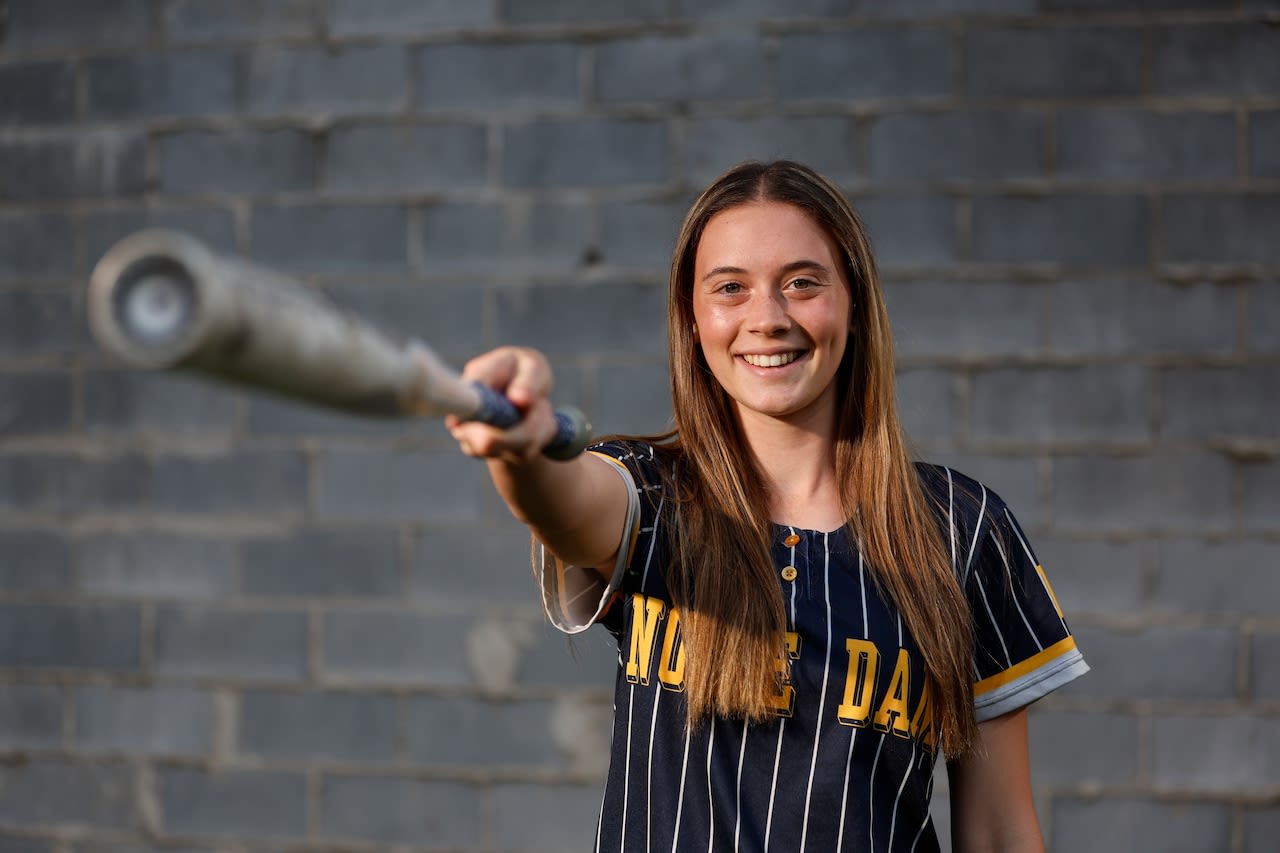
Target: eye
(803, 285)
(729, 288)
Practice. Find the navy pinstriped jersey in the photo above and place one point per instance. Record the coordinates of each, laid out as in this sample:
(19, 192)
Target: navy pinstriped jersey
(848, 763)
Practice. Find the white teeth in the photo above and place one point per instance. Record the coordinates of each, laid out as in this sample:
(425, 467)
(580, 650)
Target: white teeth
(770, 360)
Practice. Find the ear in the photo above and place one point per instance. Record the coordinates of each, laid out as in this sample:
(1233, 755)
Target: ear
(696, 339)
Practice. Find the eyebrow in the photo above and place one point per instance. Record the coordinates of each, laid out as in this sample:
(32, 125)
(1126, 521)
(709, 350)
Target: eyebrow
(793, 266)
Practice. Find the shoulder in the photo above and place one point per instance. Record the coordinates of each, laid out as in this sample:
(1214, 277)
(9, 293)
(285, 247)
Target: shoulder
(963, 503)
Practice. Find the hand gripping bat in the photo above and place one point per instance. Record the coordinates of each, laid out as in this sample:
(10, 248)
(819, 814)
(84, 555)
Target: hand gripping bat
(162, 300)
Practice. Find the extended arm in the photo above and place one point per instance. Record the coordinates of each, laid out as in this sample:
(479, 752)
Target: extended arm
(992, 810)
(576, 508)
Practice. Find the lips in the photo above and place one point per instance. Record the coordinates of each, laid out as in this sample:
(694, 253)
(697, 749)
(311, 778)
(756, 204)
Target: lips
(775, 360)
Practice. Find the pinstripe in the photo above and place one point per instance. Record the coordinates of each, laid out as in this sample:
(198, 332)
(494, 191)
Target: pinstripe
(853, 733)
(1013, 594)
(822, 703)
(893, 824)
(742, 754)
(973, 547)
(925, 823)
(684, 770)
(995, 628)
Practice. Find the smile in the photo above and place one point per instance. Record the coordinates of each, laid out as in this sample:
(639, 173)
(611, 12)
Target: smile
(776, 360)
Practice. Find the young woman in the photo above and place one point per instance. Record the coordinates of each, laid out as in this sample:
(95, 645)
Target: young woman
(805, 618)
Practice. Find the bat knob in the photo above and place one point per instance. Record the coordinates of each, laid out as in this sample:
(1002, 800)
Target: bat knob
(145, 302)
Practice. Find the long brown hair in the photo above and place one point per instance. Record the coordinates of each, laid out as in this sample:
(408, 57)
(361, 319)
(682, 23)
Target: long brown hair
(722, 576)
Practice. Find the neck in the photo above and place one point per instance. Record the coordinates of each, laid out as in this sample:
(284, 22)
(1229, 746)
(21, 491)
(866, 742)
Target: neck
(797, 461)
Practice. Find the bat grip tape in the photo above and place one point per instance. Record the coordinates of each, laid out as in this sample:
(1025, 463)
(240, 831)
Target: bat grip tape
(572, 431)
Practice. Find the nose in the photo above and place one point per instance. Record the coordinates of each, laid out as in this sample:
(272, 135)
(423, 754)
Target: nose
(768, 314)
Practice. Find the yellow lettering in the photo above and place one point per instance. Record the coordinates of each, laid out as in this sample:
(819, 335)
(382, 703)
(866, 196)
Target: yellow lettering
(644, 636)
(859, 682)
(784, 704)
(1044, 579)
(671, 664)
(892, 714)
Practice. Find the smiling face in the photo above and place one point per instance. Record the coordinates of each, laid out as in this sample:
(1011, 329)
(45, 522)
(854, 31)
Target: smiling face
(771, 309)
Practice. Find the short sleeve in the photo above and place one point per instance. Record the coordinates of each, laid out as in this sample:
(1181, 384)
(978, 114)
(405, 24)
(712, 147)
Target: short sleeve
(1023, 648)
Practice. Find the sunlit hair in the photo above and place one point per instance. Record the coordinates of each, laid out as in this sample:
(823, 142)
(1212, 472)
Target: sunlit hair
(722, 576)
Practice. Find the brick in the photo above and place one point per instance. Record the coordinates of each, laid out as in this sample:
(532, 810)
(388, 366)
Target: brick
(323, 563)
(545, 817)
(1219, 228)
(274, 416)
(397, 648)
(139, 847)
(1214, 753)
(448, 561)
(34, 403)
(102, 163)
(1157, 491)
(34, 562)
(409, 811)
(242, 161)
(1099, 404)
(1262, 319)
(155, 566)
(1159, 663)
(27, 845)
(584, 318)
(408, 485)
(35, 324)
(1264, 144)
(910, 232)
(144, 721)
(482, 733)
(244, 19)
(714, 144)
(1217, 402)
(587, 152)
(1079, 230)
(35, 245)
(217, 643)
(1122, 144)
(633, 399)
(927, 404)
(251, 482)
(232, 803)
(330, 238)
(1094, 577)
(588, 660)
(1072, 747)
(1128, 316)
(213, 226)
(864, 64)
(908, 9)
(30, 716)
(955, 146)
(541, 75)
(1261, 828)
(1260, 484)
(1234, 59)
(310, 80)
(399, 159)
(56, 636)
(1264, 675)
(339, 726)
(37, 93)
(402, 18)
(42, 24)
(1057, 62)
(90, 795)
(956, 320)
(1122, 825)
(517, 238)
(133, 401)
(190, 83)
(710, 68)
(32, 482)
(1128, 5)
(580, 12)
(640, 234)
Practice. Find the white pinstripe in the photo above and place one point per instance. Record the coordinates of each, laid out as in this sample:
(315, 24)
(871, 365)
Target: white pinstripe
(822, 703)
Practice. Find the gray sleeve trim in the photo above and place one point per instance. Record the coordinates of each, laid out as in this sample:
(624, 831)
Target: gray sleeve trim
(1032, 686)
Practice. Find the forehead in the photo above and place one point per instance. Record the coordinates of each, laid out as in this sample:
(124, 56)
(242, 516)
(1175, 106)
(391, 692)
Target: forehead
(764, 233)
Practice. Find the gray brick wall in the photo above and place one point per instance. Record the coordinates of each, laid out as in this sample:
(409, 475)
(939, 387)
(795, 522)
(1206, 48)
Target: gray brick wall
(232, 623)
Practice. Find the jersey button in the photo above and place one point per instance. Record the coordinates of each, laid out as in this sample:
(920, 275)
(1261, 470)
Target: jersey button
(791, 541)
(789, 573)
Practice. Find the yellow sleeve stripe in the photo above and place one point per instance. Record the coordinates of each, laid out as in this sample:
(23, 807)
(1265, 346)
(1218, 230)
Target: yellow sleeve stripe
(1031, 664)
